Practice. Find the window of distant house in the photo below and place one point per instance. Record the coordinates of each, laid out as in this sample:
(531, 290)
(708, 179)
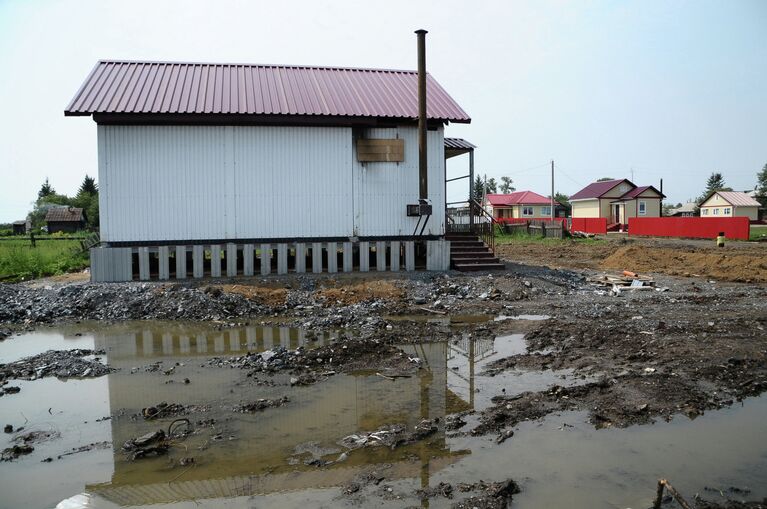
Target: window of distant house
(527, 211)
(642, 208)
(716, 212)
(727, 210)
(546, 211)
(704, 212)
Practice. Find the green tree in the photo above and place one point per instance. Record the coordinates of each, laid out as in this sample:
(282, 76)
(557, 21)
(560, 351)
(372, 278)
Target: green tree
(479, 188)
(761, 186)
(714, 183)
(88, 186)
(88, 199)
(563, 200)
(46, 190)
(482, 187)
(506, 186)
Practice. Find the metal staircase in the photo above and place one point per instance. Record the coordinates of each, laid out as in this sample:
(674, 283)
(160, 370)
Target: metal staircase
(469, 253)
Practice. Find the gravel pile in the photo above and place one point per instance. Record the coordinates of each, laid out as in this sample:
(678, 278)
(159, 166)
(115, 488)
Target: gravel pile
(120, 301)
(58, 363)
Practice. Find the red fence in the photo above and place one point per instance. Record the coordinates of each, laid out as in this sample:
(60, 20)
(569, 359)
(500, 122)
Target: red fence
(691, 227)
(589, 225)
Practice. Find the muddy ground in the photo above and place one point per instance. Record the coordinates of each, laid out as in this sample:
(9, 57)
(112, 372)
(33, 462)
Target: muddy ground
(695, 344)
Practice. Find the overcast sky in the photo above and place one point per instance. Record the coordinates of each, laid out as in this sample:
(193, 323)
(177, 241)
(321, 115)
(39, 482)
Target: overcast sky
(670, 89)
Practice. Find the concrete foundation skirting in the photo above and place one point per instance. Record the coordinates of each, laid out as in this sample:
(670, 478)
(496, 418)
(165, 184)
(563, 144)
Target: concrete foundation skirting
(173, 262)
(437, 255)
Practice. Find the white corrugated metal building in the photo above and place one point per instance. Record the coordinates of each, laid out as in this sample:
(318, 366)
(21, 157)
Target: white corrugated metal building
(212, 168)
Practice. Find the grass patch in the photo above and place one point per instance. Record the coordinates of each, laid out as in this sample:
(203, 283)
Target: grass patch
(525, 238)
(20, 261)
(758, 232)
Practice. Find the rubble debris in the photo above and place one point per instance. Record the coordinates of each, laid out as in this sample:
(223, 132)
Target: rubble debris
(149, 444)
(442, 489)
(391, 436)
(626, 281)
(12, 453)
(163, 410)
(9, 389)
(59, 363)
(312, 365)
(494, 495)
(261, 404)
(86, 448)
(454, 422)
(156, 443)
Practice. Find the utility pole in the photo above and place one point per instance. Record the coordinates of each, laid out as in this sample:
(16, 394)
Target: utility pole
(660, 202)
(552, 189)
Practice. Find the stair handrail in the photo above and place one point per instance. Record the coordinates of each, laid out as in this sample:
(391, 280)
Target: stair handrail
(485, 229)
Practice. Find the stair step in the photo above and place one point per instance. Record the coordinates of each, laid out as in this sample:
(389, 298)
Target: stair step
(472, 254)
(469, 249)
(466, 243)
(468, 267)
(471, 259)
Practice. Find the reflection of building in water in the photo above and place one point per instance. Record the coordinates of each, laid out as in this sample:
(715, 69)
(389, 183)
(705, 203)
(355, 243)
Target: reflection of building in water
(253, 453)
(462, 359)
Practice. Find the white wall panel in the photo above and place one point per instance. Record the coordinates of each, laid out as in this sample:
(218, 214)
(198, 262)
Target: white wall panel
(383, 190)
(293, 181)
(235, 182)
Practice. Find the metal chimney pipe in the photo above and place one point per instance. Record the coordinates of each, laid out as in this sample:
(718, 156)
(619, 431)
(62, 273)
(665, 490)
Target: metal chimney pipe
(423, 183)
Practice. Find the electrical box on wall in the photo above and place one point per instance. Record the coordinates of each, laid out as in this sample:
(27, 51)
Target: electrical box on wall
(419, 209)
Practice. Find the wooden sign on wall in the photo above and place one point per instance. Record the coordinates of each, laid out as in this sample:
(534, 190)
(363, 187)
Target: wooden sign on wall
(380, 150)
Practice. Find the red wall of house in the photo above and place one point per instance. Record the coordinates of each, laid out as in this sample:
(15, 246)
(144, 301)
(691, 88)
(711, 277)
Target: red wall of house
(691, 227)
(589, 224)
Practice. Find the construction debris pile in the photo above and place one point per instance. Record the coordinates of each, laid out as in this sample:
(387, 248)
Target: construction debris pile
(627, 281)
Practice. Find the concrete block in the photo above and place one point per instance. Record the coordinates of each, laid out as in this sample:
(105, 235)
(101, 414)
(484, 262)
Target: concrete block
(231, 260)
(248, 251)
(380, 256)
(364, 256)
(437, 255)
(143, 263)
(332, 257)
(282, 258)
(266, 259)
(111, 264)
(215, 261)
(198, 262)
(300, 257)
(317, 257)
(394, 256)
(180, 262)
(163, 254)
(348, 257)
(409, 256)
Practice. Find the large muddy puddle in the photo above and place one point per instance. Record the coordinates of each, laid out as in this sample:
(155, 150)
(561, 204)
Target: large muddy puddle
(289, 455)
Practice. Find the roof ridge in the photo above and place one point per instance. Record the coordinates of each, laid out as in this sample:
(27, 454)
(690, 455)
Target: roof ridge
(245, 64)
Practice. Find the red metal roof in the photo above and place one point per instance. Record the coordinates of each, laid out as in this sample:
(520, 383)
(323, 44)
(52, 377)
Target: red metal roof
(597, 189)
(247, 89)
(639, 190)
(518, 198)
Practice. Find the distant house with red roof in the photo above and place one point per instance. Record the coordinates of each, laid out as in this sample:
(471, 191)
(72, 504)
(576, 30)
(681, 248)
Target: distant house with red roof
(617, 200)
(521, 204)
